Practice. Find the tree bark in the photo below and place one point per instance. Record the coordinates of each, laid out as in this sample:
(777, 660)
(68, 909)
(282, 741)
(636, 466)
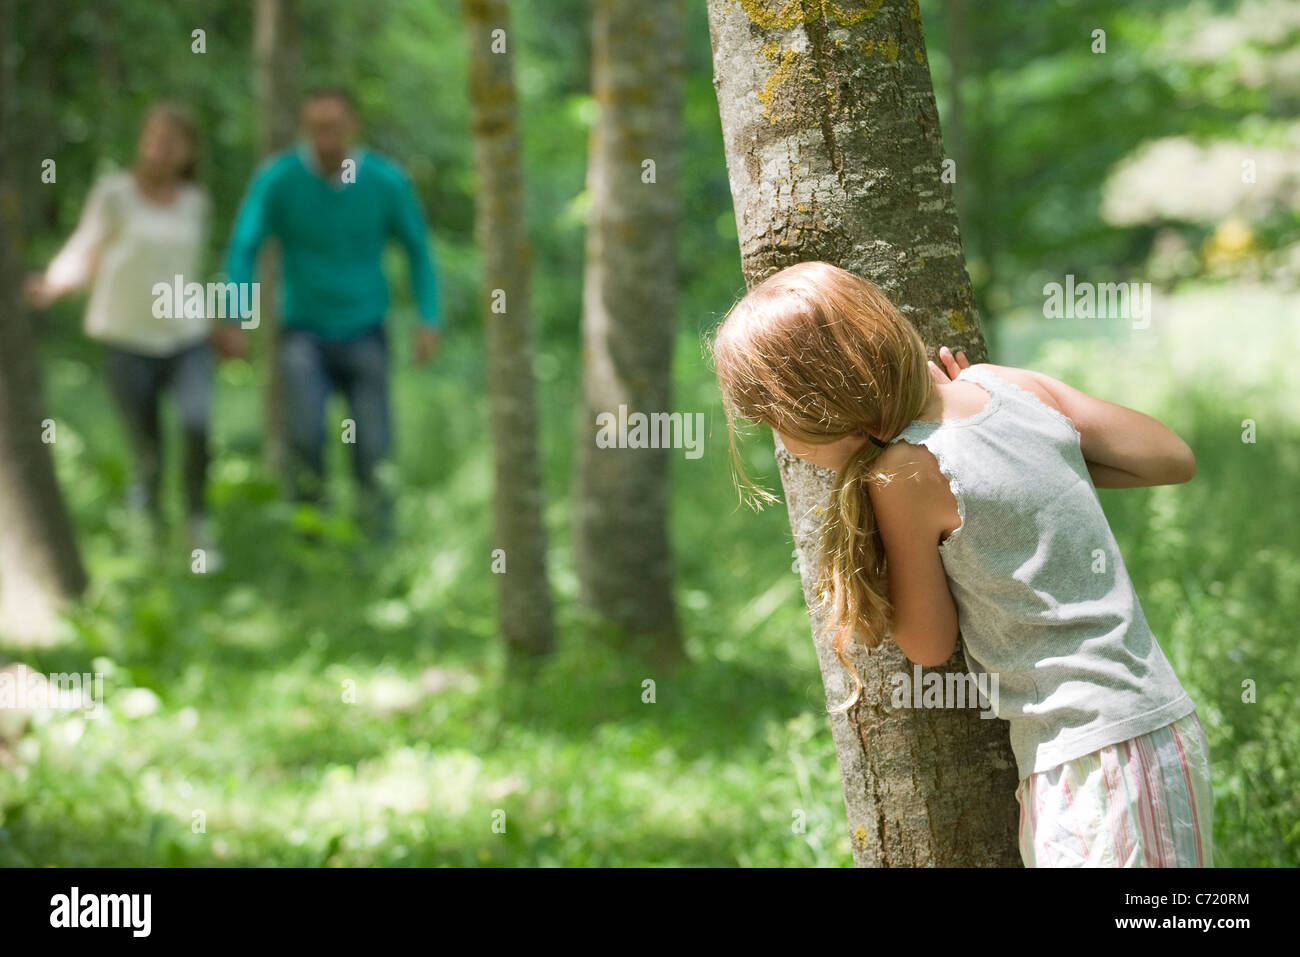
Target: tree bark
(275, 73)
(834, 153)
(629, 300)
(40, 567)
(524, 595)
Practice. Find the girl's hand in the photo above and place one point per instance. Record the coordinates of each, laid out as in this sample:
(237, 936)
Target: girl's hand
(37, 291)
(954, 365)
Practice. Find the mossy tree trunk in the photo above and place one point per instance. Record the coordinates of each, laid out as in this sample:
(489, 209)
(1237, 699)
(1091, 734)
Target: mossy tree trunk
(40, 566)
(834, 153)
(628, 316)
(276, 62)
(502, 236)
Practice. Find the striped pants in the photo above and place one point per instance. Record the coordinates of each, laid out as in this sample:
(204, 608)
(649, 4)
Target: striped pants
(1145, 802)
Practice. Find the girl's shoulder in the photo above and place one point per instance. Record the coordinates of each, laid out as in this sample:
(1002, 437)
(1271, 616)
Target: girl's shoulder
(1024, 383)
(910, 481)
(916, 467)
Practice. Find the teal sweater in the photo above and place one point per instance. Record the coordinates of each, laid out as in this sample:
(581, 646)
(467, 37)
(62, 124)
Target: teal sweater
(332, 237)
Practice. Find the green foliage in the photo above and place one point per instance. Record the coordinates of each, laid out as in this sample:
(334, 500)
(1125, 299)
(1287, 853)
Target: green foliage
(226, 692)
(1045, 120)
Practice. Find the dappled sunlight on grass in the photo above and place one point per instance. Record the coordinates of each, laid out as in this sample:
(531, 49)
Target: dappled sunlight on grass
(323, 701)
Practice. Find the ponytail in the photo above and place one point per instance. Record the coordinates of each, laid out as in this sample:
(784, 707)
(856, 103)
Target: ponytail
(854, 581)
(819, 354)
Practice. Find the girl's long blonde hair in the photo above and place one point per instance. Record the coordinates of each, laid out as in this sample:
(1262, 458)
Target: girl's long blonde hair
(819, 354)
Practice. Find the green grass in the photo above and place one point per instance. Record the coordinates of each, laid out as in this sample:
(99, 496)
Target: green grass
(336, 704)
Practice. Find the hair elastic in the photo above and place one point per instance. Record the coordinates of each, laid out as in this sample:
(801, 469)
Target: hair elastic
(878, 442)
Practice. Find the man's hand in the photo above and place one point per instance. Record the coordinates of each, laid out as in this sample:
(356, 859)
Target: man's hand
(426, 345)
(953, 365)
(228, 339)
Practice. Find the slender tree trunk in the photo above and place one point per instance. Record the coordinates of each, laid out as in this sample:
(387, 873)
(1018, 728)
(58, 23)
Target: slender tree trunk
(834, 153)
(40, 567)
(629, 300)
(110, 68)
(42, 29)
(275, 74)
(519, 535)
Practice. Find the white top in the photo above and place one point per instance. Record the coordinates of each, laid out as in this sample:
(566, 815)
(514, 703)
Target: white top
(1044, 601)
(126, 244)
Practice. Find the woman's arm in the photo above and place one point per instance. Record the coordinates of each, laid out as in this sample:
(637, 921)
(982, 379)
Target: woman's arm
(74, 265)
(909, 512)
(1123, 447)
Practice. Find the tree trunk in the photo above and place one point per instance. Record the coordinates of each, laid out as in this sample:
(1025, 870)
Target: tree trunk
(834, 153)
(40, 568)
(37, 74)
(275, 73)
(629, 298)
(524, 595)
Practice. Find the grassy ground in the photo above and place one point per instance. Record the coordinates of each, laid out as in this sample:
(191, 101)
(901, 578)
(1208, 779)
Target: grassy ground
(334, 704)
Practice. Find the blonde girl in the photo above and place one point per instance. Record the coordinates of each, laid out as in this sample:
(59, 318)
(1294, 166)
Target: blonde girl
(969, 505)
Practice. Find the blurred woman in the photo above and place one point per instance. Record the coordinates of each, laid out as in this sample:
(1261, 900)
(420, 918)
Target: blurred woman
(139, 227)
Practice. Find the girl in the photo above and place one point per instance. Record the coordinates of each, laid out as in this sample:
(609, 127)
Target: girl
(141, 227)
(970, 506)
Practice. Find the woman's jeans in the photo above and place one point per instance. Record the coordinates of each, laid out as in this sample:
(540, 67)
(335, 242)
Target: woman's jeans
(314, 366)
(137, 382)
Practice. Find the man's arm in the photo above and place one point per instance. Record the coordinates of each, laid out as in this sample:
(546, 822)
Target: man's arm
(252, 226)
(75, 264)
(410, 229)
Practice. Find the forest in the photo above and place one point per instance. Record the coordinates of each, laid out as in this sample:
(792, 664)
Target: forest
(529, 618)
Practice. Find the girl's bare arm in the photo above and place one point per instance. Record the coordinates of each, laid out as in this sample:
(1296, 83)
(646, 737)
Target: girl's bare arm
(909, 510)
(1124, 448)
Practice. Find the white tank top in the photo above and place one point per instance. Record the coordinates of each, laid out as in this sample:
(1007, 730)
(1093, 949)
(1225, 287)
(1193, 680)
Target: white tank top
(1044, 601)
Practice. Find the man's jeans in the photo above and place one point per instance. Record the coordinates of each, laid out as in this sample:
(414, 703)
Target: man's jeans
(315, 366)
(137, 382)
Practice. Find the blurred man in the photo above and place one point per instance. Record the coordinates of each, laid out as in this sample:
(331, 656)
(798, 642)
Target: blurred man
(333, 205)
